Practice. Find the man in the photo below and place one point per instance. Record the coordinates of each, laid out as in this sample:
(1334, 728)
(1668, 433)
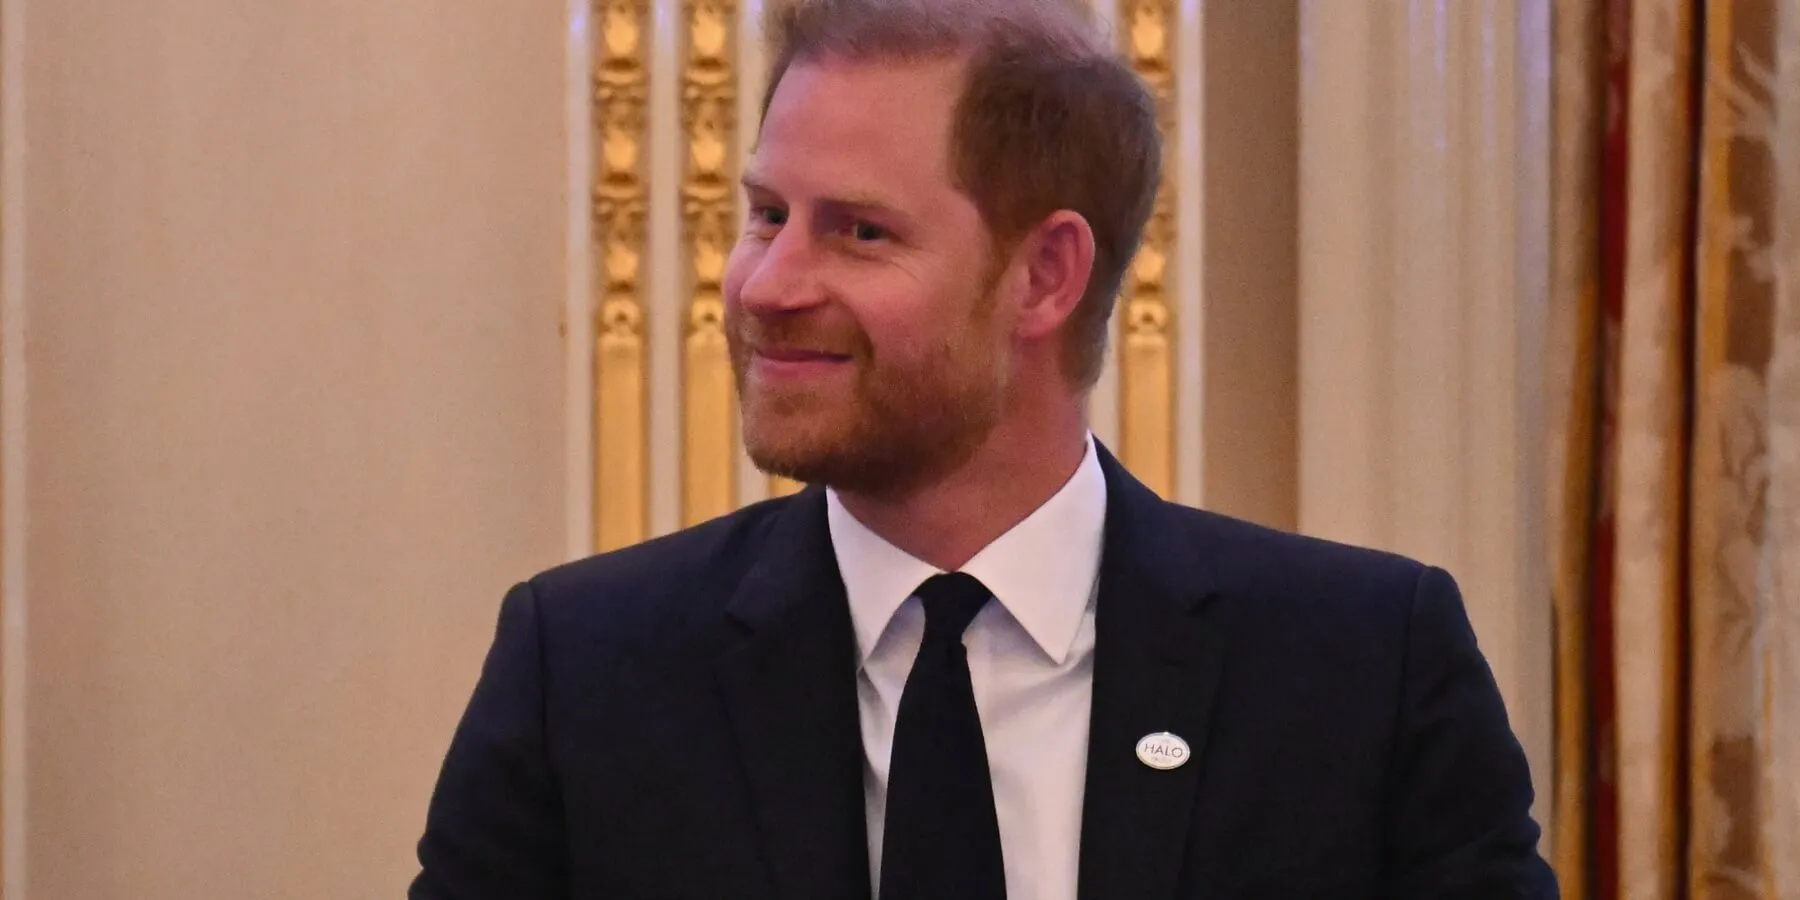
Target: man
(976, 659)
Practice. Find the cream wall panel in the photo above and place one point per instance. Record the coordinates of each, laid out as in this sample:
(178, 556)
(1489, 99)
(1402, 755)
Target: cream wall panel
(295, 421)
(1344, 474)
(581, 277)
(1423, 226)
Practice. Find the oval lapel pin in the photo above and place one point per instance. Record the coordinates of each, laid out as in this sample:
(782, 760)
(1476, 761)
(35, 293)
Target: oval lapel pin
(1163, 751)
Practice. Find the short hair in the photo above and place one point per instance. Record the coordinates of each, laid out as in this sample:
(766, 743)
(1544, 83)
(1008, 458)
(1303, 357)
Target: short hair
(1050, 118)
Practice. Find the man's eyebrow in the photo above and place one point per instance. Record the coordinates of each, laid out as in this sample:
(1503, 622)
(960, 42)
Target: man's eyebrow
(852, 201)
(754, 182)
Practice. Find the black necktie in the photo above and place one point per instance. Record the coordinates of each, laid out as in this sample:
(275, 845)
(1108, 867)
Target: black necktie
(941, 840)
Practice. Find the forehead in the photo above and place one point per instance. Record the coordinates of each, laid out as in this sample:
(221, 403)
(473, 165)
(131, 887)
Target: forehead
(861, 125)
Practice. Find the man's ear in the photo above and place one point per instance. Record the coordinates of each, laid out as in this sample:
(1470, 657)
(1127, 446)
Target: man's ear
(1058, 259)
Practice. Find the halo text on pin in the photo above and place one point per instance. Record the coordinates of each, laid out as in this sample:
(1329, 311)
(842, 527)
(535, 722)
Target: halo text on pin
(1163, 751)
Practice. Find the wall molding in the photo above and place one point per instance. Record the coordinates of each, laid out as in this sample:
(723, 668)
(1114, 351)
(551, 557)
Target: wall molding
(617, 205)
(13, 601)
(709, 227)
(1146, 342)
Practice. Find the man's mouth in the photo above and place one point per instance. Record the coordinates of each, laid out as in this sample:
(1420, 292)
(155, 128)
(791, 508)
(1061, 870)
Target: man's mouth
(796, 362)
(799, 355)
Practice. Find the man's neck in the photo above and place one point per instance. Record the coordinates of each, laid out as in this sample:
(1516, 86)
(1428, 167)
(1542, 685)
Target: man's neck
(948, 521)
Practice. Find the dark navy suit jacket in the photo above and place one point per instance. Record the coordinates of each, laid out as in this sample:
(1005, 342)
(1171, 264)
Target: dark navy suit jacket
(679, 720)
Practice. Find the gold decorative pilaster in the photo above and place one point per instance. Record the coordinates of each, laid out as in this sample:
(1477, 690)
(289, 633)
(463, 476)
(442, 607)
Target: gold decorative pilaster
(709, 228)
(1147, 343)
(620, 201)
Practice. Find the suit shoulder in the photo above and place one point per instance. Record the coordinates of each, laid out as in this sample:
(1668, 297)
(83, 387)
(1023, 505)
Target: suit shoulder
(1268, 560)
(1317, 605)
(701, 561)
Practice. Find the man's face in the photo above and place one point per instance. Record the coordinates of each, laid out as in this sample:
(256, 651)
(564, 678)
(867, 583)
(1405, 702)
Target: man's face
(869, 350)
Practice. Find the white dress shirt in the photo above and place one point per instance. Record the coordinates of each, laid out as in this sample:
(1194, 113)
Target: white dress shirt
(1031, 660)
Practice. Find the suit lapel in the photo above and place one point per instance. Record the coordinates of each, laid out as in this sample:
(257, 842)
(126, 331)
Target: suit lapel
(789, 679)
(1157, 658)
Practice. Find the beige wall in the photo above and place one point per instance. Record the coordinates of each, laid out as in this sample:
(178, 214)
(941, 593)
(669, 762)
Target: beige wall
(1423, 273)
(295, 420)
(1250, 431)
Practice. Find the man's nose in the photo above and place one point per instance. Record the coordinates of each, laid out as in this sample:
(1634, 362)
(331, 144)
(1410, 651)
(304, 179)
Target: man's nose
(783, 277)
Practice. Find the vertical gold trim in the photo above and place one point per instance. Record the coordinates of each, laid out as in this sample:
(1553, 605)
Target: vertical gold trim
(1147, 342)
(621, 202)
(709, 227)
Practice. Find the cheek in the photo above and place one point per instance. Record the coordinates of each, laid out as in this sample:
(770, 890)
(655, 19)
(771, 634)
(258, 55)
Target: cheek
(899, 330)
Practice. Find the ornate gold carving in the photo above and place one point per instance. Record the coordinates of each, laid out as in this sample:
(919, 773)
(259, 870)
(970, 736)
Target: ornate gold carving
(620, 200)
(1147, 356)
(709, 227)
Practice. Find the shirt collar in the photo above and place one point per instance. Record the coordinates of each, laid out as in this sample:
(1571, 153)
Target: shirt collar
(1042, 570)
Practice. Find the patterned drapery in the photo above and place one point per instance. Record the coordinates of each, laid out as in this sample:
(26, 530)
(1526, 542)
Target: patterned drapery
(1676, 448)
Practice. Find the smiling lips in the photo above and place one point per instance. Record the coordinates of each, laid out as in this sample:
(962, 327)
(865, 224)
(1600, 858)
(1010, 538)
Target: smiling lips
(796, 363)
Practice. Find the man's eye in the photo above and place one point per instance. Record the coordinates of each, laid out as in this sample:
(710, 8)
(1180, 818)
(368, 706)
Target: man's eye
(863, 232)
(768, 215)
